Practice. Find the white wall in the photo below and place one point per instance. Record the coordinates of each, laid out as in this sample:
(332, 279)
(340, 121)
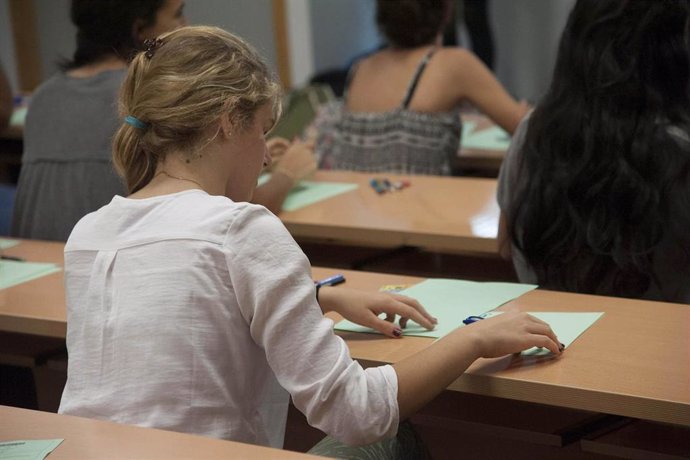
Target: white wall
(57, 35)
(342, 30)
(250, 19)
(526, 35)
(300, 41)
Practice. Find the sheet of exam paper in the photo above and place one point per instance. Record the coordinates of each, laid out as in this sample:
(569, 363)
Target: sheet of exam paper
(306, 192)
(451, 301)
(35, 449)
(14, 272)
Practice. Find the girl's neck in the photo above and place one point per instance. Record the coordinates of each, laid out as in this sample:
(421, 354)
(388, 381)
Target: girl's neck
(175, 174)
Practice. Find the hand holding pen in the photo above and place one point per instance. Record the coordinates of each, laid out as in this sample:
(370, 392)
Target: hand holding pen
(512, 332)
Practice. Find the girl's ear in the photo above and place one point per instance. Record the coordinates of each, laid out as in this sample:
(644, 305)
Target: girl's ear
(226, 126)
(142, 32)
(138, 30)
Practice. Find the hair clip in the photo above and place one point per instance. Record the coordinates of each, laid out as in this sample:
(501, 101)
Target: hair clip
(151, 45)
(134, 121)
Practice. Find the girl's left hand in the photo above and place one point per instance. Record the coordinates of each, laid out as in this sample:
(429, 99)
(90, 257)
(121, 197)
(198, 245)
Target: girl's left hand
(364, 308)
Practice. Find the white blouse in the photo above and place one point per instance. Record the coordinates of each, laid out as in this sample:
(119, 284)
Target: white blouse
(185, 312)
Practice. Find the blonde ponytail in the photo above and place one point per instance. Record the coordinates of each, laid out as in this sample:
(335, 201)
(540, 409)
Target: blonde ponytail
(132, 162)
(181, 87)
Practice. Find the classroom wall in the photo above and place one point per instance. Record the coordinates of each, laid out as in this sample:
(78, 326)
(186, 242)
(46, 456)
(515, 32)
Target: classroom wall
(249, 18)
(342, 30)
(526, 35)
(57, 34)
(327, 34)
(300, 41)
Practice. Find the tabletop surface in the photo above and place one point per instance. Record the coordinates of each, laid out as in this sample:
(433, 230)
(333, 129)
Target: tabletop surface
(447, 213)
(99, 440)
(634, 361)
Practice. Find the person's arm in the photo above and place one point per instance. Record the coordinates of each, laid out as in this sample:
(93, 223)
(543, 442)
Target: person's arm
(507, 182)
(5, 100)
(504, 244)
(271, 281)
(293, 162)
(272, 193)
(482, 89)
(424, 375)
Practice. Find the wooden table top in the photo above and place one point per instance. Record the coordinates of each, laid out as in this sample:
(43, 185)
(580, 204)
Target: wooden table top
(634, 361)
(95, 439)
(443, 213)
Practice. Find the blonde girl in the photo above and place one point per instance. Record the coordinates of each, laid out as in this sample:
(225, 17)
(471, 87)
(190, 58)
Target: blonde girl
(192, 310)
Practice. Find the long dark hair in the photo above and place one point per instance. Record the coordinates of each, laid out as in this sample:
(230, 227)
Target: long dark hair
(106, 27)
(606, 153)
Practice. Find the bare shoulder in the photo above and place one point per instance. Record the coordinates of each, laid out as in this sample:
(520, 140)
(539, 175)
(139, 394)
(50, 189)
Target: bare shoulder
(373, 61)
(455, 56)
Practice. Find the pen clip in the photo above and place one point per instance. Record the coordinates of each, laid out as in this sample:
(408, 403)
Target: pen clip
(472, 319)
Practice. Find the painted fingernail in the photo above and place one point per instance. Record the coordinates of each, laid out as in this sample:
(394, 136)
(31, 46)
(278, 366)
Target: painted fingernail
(397, 332)
(561, 348)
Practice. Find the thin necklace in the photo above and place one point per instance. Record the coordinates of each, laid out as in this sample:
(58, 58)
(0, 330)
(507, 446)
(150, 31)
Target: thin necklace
(178, 178)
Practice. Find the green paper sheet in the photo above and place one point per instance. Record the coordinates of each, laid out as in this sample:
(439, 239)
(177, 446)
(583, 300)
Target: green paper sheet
(28, 449)
(493, 138)
(567, 326)
(309, 192)
(6, 244)
(18, 117)
(467, 129)
(451, 301)
(13, 273)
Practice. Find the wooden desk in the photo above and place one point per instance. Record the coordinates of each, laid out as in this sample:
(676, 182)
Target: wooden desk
(36, 307)
(442, 213)
(633, 362)
(94, 439)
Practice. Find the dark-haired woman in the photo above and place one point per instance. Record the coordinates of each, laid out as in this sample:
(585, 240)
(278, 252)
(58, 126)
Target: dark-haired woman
(595, 191)
(66, 167)
(400, 111)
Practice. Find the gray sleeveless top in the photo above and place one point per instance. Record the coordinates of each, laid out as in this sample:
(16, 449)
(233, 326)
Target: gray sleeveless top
(398, 141)
(66, 165)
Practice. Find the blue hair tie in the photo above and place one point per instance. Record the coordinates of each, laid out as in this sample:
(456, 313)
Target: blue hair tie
(137, 123)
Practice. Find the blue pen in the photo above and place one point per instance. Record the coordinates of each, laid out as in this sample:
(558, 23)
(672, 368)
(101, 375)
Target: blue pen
(471, 319)
(331, 280)
(377, 186)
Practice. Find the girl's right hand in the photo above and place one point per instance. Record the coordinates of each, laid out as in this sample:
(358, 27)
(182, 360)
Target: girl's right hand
(297, 161)
(511, 332)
